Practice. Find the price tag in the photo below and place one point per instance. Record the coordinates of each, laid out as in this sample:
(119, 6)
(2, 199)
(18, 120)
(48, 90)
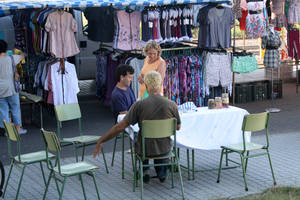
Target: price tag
(171, 22)
(191, 21)
(150, 24)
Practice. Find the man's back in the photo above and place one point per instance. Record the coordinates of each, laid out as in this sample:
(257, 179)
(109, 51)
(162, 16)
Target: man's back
(154, 107)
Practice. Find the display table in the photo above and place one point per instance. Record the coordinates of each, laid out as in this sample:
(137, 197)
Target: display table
(207, 129)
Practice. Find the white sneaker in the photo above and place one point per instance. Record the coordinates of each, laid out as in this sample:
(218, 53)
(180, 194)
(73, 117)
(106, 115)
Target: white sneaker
(23, 131)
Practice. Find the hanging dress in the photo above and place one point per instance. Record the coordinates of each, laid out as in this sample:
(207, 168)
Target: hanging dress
(147, 68)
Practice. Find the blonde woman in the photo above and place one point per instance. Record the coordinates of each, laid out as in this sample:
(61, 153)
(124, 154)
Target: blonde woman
(153, 62)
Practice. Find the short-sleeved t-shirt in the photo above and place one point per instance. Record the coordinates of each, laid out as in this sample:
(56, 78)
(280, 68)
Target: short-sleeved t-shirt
(121, 100)
(7, 87)
(154, 107)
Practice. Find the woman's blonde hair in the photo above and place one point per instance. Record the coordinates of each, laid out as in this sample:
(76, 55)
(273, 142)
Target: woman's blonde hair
(153, 81)
(152, 45)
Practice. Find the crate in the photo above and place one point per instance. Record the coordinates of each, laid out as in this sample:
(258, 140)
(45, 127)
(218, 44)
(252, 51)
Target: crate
(257, 91)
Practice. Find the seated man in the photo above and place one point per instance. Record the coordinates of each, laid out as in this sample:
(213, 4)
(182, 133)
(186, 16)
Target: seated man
(122, 96)
(154, 107)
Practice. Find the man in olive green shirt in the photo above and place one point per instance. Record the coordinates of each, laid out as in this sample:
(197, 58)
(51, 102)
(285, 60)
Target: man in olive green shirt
(154, 107)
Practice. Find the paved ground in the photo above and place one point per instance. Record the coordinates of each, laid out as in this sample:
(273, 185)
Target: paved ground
(285, 141)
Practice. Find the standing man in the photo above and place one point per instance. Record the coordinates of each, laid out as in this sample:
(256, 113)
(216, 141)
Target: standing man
(122, 96)
(9, 98)
(154, 107)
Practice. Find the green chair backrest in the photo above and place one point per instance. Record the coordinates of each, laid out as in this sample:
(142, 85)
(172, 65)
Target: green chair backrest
(12, 135)
(52, 144)
(256, 122)
(11, 131)
(158, 129)
(66, 112)
(51, 141)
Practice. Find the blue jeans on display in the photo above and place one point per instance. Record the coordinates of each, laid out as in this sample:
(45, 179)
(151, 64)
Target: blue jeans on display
(12, 104)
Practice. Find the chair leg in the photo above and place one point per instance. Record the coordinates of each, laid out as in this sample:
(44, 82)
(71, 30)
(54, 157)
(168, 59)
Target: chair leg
(180, 177)
(188, 162)
(104, 159)
(75, 152)
(62, 188)
(172, 171)
(246, 162)
(135, 174)
(95, 183)
(82, 186)
(132, 161)
(20, 182)
(274, 180)
(244, 172)
(43, 174)
(193, 164)
(226, 155)
(114, 151)
(122, 155)
(9, 173)
(141, 179)
(47, 185)
(83, 151)
(220, 165)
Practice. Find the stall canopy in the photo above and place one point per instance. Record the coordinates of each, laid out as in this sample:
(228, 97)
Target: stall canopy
(6, 5)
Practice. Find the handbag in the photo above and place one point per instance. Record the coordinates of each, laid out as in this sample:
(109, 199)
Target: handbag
(16, 81)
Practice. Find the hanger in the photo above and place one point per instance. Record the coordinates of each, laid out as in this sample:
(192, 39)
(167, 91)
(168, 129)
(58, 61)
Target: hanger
(219, 6)
(129, 10)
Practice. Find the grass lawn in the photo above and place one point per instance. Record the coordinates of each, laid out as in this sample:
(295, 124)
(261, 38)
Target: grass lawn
(276, 193)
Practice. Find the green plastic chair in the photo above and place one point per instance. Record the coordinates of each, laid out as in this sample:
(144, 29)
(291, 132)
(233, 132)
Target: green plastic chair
(158, 129)
(67, 112)
(122, 136)
(253, 123)
(20, 161)
(66, 170)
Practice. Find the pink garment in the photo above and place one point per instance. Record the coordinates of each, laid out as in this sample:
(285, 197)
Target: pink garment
(50, 91)
(128, 34)
(61, 27)
(244, 4)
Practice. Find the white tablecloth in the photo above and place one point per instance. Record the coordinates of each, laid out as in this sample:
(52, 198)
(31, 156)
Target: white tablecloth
(208, 129)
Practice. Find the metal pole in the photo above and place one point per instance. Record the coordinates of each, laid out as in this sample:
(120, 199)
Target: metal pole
(272, 109)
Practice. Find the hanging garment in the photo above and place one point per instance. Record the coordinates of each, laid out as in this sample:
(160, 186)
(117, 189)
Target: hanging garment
(236, 9)
(214, 30)
(244, 64)
(293, 41)
(243, 20)
(110, 78)
(101, 73)
(64, 86)
(278, 18)
(128, 31)
(294, 12)
(61, 25)
(256, 21)
(271, 42)
(183, 81)
(100, 23)
(146, 32)
(217, 70)
(137, 65)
